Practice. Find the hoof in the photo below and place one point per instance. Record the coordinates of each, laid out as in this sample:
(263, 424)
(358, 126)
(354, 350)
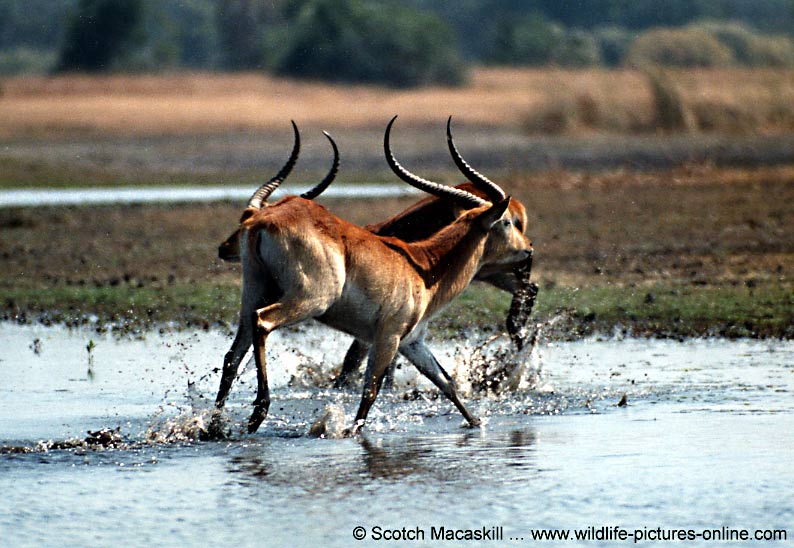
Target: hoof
(256, 419)
(533, 289)
(344, 382)
(353, 430)
(213, 432)
(341, 383)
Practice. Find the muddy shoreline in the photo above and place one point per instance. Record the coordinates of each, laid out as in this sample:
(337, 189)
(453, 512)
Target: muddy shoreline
(690, 251)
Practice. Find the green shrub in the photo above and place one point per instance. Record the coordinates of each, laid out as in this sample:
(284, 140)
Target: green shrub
(536, 41)
(613, 42)
(741, 41)
(751, 49)
(577, 49)
(526, 41)
(360, 41)
(24, 60)
(684, 47)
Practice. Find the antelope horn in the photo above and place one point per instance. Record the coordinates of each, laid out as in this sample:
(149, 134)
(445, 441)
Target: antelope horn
(264, 191)
(491, 189)
(311, 194)
(463, 198)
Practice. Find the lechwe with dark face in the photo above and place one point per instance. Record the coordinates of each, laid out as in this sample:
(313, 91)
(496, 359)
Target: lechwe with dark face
(299, 262)
(429, 215)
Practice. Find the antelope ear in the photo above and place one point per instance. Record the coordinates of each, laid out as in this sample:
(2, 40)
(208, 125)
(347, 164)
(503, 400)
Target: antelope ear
(494, 213)
(247, 214)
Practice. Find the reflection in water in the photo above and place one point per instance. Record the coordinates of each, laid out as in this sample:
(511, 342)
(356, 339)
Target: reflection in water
(517, 450)
(250, 466)
(393, 462)
(328, 465)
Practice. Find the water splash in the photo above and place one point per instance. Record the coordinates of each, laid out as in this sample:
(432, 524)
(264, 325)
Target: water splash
(332, 424)
(106, 438)
(496, 367)
(184, 428)
(306, 373)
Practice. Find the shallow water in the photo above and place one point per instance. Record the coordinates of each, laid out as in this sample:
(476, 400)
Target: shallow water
(181, 194)
(705, 442)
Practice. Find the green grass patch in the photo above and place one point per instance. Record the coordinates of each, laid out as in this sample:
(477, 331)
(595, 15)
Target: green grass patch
(661, 310)
(732, 311)
(125, 307)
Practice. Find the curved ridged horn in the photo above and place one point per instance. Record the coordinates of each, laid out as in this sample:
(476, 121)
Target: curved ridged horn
(311, 194)
(462, 197)
(491, 189)
(264, 191)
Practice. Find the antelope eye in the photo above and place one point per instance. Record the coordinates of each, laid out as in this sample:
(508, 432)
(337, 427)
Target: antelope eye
(507, 222)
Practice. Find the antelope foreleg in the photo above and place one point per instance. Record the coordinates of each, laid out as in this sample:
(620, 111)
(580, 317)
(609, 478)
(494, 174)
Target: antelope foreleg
(231, 362)
(521, 306)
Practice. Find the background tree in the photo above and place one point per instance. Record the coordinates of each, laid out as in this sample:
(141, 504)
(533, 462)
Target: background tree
(240, 26)
(99, 34)
(525, 41)
(432, 35)
(35, 24)
(178, 34)
(195, 32)
(363, 41)
(577, 49)
(613, 43)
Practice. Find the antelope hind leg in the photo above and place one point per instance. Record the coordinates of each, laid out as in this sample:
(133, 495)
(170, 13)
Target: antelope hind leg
(419, 354)
(231, 363)
(352, 363)
(262, 402)
(268, 319)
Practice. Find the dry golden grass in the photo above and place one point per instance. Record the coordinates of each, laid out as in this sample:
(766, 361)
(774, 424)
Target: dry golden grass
(206, 103)
(178, 104)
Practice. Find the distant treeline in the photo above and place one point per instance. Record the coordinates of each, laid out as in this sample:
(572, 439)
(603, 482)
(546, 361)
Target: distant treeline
(396, 42)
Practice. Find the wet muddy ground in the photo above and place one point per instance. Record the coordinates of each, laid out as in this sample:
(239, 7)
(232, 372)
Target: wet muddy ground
(689, 251)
